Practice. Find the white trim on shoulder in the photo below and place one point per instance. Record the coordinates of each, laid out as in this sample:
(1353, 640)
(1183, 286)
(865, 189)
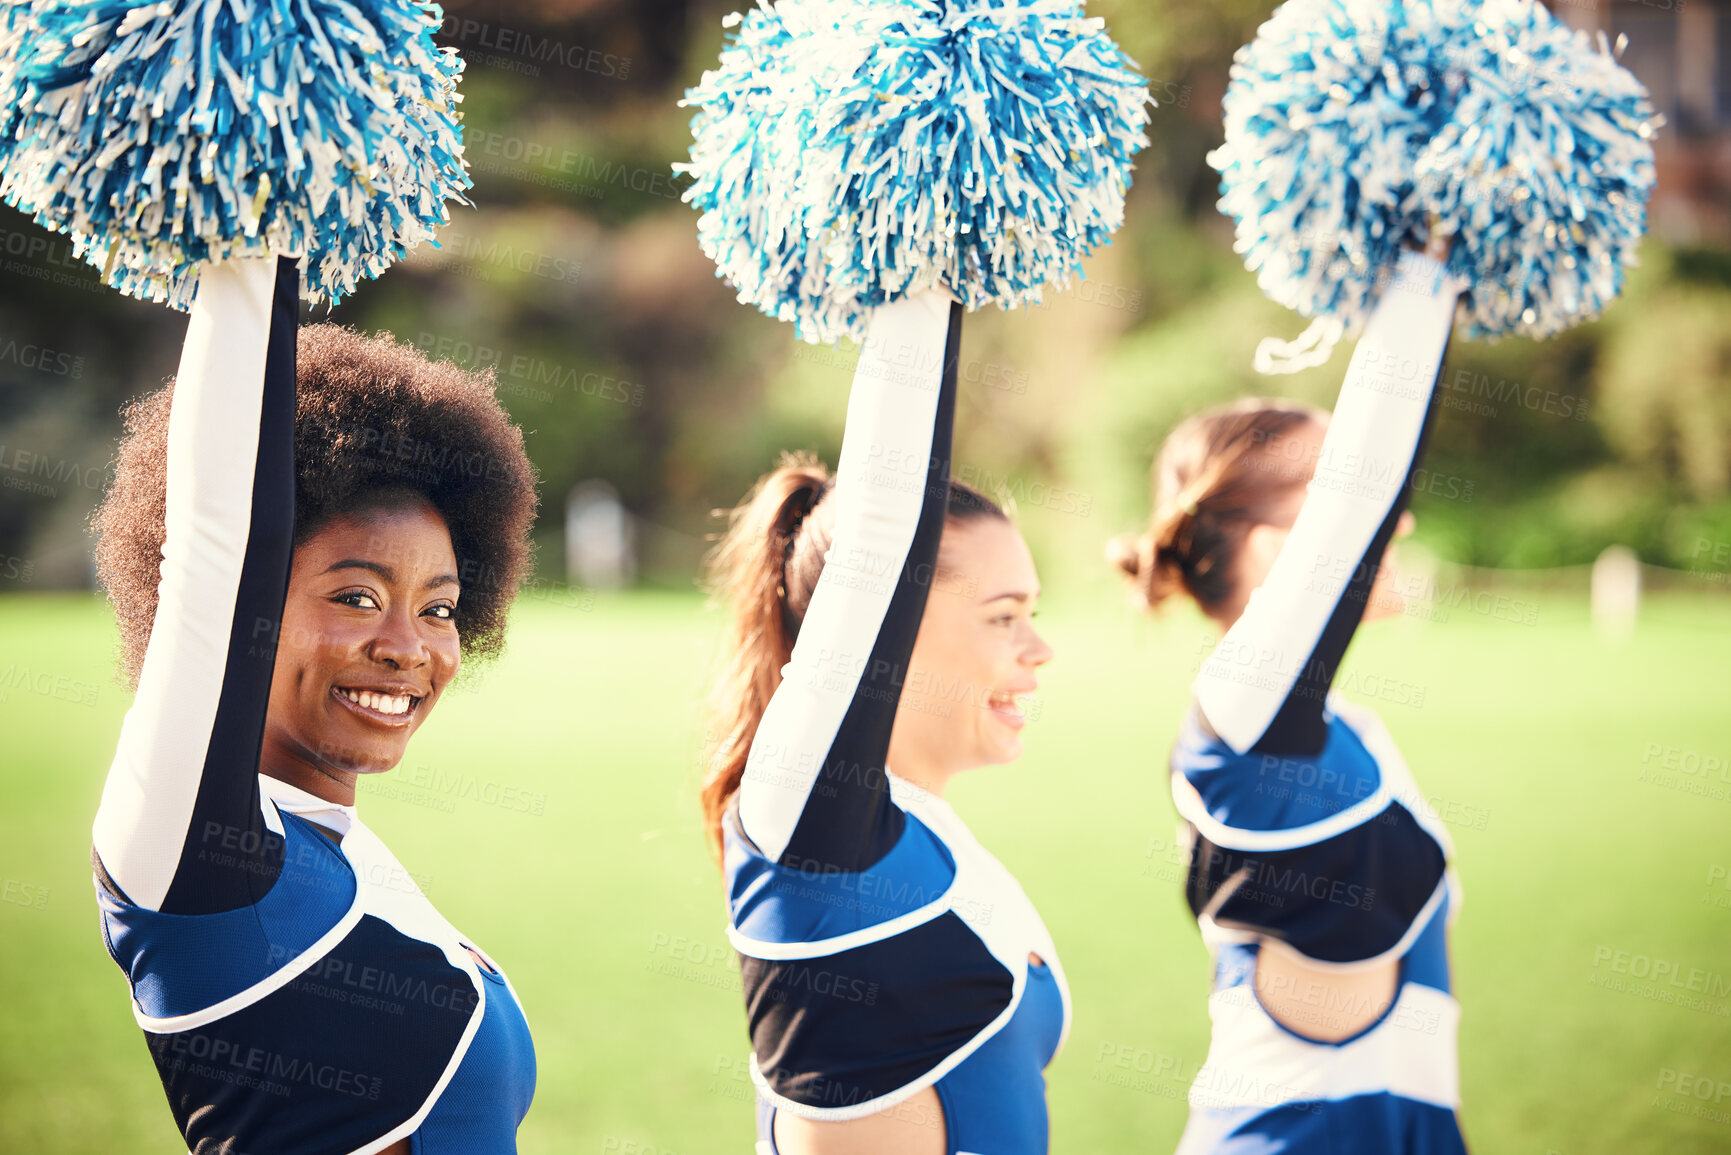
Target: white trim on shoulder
(278, 979)
(777, 951)
(1192, 808)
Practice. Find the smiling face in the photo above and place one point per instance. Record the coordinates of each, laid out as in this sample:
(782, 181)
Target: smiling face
(369, 642)
(976, 654)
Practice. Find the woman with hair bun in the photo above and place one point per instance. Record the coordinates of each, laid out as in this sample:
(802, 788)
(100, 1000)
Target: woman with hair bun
(307, 535)
(1225, 480)
(1318, 873)
(901, 991)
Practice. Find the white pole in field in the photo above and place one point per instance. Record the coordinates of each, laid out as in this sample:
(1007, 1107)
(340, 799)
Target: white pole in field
(1616, 591)
(599, 543)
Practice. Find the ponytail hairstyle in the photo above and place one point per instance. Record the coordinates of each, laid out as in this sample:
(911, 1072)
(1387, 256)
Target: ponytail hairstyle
(1220, 473)
(765, 570)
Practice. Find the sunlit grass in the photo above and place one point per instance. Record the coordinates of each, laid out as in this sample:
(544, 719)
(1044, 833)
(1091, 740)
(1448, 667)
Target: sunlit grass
(549, 811)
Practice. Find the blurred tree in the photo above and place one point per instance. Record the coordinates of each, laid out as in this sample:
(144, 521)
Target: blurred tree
(1665, 378)
(577, 279)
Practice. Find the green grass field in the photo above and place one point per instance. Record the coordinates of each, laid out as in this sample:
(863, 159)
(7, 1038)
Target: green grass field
(548, 809)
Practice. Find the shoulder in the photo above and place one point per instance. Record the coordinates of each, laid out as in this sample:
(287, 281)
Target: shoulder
(777, 902)
(1277, 799)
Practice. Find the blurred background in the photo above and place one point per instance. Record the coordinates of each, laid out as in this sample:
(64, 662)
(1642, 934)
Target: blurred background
(1585, 757)
(577, 278)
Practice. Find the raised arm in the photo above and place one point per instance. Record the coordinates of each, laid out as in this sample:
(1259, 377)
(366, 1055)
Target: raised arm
(814, 796)
(180, 829)
(1265, 685)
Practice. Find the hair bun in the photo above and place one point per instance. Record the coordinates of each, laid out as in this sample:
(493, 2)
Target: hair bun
(1125, 552)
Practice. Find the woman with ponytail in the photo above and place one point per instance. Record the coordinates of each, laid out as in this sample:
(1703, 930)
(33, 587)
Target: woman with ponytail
(901, 991)
(1354, 136)
(1318, 873)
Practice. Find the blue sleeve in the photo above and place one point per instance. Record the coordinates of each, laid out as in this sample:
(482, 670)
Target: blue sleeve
(180, 829)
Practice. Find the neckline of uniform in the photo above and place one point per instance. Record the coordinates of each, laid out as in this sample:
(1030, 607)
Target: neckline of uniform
(334, 816)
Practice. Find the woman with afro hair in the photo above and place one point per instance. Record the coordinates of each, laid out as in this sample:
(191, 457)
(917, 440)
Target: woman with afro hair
(307, 535)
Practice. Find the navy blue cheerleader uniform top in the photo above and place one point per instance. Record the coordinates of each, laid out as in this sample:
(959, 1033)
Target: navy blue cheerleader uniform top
(1305, 826)
(882, 949)
(298, 994)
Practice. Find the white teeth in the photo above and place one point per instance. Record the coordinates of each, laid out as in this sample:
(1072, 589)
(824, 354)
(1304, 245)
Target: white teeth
(383, 703)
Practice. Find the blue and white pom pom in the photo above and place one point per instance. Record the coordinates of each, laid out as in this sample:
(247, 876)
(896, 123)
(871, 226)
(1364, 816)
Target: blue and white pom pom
(847, 154)
(159, 136)
(1326, 111)
(748, 144)
(1543, 172)
(1356, 127)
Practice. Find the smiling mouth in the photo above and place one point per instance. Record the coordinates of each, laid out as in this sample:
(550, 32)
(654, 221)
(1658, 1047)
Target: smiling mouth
(377, 706)
(1008, 707)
